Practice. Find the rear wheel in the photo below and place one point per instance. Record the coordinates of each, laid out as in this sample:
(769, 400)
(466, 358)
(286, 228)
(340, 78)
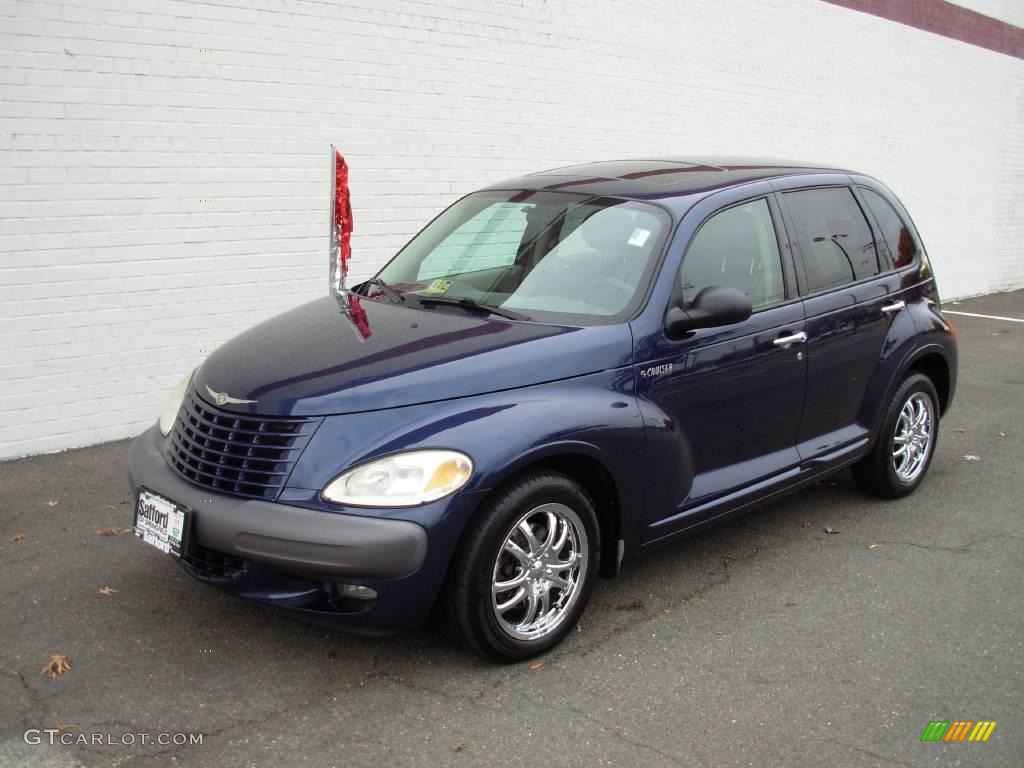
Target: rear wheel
(903, 451)
(525, 569)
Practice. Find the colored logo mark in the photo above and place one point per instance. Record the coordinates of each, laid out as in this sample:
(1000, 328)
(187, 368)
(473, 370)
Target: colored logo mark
(958, 730)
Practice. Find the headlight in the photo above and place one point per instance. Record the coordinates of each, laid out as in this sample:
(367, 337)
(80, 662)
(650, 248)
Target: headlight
(402, 480)
(173, 405)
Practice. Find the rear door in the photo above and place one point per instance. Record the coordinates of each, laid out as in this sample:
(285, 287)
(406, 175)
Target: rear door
(850, 295)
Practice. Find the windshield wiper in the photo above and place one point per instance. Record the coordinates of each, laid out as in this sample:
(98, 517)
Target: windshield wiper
(473, 305)
(392, 294)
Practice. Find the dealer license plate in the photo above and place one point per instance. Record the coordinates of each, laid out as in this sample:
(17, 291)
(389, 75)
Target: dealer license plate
(161, 522)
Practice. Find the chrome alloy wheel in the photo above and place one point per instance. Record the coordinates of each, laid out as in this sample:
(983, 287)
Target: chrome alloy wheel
(538, 572)
(913, 438)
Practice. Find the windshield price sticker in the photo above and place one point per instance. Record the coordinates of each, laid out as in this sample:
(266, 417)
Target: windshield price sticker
(439, 286)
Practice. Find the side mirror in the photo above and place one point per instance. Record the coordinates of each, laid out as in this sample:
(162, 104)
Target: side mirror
(714, 306)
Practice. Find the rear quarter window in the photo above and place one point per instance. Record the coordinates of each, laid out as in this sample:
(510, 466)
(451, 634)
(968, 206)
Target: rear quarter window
(894, 231)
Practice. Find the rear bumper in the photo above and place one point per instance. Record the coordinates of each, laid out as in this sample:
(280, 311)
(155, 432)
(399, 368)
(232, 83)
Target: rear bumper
(296, 558)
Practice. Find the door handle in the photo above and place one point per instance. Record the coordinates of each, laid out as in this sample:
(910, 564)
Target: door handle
(896, 306)
(785, 341)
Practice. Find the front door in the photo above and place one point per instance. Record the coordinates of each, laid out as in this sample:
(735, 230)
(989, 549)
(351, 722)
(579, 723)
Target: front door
(722, 405)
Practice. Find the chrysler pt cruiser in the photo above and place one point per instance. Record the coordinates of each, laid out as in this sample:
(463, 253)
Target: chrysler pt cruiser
(557, 373)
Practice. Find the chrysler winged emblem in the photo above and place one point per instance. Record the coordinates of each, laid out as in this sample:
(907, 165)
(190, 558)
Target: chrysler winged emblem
(223, 398)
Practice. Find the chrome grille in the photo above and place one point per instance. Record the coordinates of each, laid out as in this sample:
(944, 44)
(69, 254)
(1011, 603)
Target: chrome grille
(236, 454)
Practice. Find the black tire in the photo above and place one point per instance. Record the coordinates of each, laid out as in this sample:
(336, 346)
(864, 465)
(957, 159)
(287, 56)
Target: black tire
(875, 473)
(465, 608)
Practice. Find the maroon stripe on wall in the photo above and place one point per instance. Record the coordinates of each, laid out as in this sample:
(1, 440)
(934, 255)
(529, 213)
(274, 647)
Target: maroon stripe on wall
(942, 18)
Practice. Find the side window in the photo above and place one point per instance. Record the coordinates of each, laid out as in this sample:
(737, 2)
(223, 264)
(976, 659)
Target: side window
(894, 231)
(834, 237)
(736, 248)
(488, 240)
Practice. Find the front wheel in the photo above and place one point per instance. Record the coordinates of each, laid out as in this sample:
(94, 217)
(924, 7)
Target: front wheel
(525, 569)
(903, 451)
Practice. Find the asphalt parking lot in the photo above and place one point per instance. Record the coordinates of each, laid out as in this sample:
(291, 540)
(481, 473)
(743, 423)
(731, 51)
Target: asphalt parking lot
(764, 642)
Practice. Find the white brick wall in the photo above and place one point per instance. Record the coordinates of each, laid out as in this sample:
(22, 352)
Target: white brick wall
(116, 124)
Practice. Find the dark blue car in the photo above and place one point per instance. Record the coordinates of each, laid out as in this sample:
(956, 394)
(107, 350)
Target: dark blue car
(559, 372)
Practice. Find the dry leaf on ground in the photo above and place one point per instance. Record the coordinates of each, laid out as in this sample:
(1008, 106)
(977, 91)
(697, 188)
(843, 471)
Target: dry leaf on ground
(959, 429)
(806, 524)
(63, 530)
(538, 665)
(52, 503)
(57, 666)
(126, 530)
(18, 538)
(1001, 434)
(873, 546)
(35, 569)
(972, 457)
(61, 727)
(107, 590)
(830, 530)
(107, 531)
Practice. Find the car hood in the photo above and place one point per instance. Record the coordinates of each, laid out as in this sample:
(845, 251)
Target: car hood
(318, 359)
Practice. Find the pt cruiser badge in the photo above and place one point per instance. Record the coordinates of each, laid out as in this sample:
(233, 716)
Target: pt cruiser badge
(656, 370)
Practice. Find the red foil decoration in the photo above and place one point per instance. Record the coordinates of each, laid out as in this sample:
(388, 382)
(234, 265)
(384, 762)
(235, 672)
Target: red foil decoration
(357, 315)
(341, 226)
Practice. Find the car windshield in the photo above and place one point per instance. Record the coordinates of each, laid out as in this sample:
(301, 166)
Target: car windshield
(553, 256)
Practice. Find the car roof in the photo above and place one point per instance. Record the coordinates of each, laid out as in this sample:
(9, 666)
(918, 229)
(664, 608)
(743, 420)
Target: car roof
(661, 178)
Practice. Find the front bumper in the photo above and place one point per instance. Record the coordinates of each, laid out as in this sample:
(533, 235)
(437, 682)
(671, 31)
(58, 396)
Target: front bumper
(295, 557)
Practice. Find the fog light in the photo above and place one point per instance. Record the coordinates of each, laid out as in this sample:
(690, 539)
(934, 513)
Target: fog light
(358, 592)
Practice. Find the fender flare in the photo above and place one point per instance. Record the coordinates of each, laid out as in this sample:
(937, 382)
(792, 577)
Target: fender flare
(905, 365)
(612, 517)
